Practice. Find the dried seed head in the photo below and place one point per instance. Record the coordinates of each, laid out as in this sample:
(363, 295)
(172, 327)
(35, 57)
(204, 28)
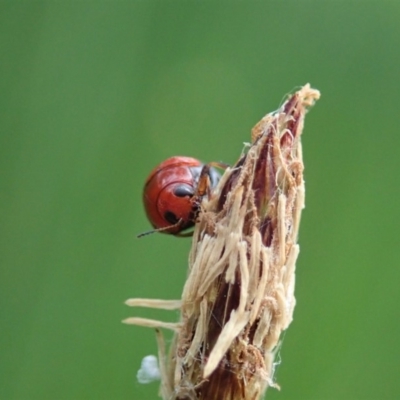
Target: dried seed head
(239, 294)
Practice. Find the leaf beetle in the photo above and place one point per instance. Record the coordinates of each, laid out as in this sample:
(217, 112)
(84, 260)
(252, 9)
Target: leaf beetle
(172, 193)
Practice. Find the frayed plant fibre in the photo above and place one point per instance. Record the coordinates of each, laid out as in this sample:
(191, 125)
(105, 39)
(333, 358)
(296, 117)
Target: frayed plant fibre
(239, 294)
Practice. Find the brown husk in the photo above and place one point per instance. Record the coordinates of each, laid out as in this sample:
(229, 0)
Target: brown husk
(239, 293)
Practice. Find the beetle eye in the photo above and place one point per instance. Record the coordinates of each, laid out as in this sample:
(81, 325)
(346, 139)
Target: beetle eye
(171, 217)
(183, 191)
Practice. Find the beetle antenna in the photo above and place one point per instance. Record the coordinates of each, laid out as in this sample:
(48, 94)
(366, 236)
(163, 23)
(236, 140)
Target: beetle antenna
(146, 233)
(165, 228)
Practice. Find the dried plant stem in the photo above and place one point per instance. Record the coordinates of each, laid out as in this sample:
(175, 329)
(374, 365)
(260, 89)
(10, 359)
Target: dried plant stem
(239, 294)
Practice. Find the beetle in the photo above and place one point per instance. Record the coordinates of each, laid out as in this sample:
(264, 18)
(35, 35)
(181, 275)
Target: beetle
(173, 191)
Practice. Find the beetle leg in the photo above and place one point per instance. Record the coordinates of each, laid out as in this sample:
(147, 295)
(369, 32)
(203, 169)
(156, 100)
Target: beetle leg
(204, 182)
(203, 186)
(218, 164)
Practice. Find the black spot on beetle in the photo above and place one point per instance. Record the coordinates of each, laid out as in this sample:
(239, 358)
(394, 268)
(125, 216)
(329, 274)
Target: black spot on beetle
(171, 217)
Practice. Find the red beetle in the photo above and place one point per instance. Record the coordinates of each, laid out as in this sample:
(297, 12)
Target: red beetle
(173, 191)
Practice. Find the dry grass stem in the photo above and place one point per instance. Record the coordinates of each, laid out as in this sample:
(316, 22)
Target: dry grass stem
(239, 293)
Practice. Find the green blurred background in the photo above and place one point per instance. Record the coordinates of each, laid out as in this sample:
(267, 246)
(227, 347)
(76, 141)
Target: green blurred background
(93, 94)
